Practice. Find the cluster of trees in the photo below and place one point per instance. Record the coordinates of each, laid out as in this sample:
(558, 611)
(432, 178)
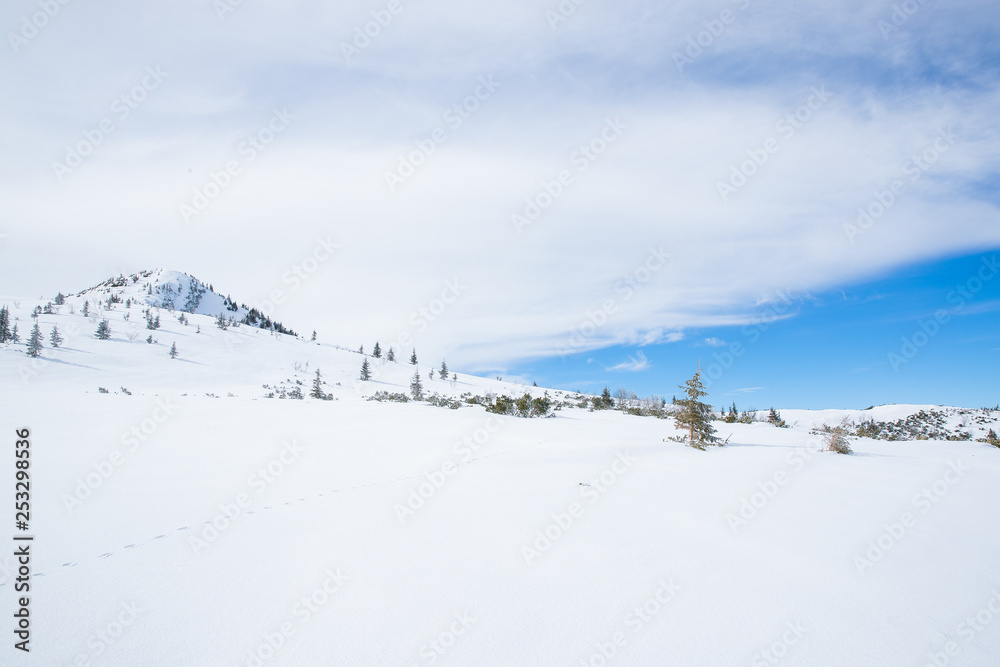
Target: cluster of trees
(525, 406)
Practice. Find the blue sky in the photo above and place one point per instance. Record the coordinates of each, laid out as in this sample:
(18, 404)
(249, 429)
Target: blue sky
(533, 163)
(845, 347)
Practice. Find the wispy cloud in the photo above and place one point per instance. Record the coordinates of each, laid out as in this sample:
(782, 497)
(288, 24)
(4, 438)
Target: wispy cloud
(714, 342)
(744, 390)
(634, 364)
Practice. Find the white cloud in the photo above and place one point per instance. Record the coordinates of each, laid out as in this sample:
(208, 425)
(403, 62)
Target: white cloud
(634, 364)
(656, 185)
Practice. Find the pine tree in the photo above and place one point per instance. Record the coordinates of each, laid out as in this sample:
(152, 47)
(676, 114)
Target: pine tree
(103, 330)
(390, 355)
(149, 339)
(156, 322)
(774, 417)
(365, 371)
(86, 308)
(416, 389)
(413, 357)
(35, 342)
(317, 390)
(606, 401)
(694, 416)
(54, 337)
(443, 373)
(221, 322)
(173, 351)
(5, 334)
(454, 377)
(430, 375)
(314, 335)
(361, 350)
(377, 352)
(60, 299)
(14, 338)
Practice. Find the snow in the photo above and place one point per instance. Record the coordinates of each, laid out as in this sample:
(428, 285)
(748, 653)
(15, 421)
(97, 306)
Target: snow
(649, 559)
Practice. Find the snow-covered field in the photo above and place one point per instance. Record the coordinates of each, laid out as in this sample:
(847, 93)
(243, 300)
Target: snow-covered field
(192, 521)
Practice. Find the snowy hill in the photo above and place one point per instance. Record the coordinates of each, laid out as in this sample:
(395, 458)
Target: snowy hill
(190, 516)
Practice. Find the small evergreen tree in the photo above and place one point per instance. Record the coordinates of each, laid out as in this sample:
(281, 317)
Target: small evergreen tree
(156, 322)
(443, 373)
(60, 299)
(413, 357)
(365, 371)
(390, 355)
(36, 311)
(992, 439)
(606, 401)
(55, 337)
(35, 342)
(361, 350)
(104, 330)
(694, 416)
(5, 334)
(222, 322)
(454, 377)
(774, 417)
(314, 335)
(317, 389)
(416, 389)
(86, 308)
(150, 339)
(14, 338)
(377, 352)
(430, 375)
(173, 351)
